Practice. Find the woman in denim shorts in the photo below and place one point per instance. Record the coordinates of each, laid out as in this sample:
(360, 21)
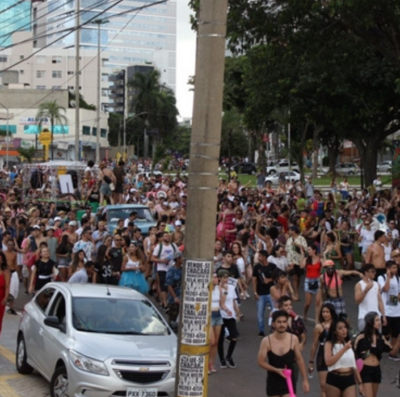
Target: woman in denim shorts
(312, 265)
(216, 322)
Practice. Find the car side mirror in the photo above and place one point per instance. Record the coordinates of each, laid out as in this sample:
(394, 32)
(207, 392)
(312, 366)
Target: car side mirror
(54, 322)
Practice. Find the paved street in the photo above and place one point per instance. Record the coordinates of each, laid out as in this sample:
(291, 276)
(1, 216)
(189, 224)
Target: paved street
(246, 380)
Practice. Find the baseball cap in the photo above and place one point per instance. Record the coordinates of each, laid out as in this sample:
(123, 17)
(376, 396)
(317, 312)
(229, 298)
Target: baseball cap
(57, 218)
(295, 229)
(49, 228)
(73, 223)
(133, 191)
(178, 254)
(395, 253)
(178, 223)
(328, 263)
(36, 227)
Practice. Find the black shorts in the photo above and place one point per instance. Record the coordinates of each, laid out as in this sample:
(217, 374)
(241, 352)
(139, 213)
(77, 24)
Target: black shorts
(162, 277)
(371, 374)
(296, 271)
(392, 328)
(340, 382)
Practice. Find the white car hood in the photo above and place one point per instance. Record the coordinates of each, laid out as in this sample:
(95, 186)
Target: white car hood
(104, 346)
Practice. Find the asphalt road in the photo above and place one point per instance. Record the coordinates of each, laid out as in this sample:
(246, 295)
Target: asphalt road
(247, 379)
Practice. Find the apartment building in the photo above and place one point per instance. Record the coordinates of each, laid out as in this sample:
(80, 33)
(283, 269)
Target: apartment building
(52, 69)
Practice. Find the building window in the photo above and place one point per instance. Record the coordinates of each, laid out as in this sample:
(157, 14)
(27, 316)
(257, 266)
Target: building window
(103, 133)
(56, 87)
(56, 74)
(56, 60)
(3, 58)
(12, 129)
(41, 59)
(40, 74)
(86, 130)
(94, 131)
(40, 87)
(70, 72)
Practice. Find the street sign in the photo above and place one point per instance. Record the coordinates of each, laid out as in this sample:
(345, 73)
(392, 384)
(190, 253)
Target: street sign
(45, 137)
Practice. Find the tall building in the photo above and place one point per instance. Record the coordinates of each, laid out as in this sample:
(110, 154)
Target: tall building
(133, 35)
(15, 15)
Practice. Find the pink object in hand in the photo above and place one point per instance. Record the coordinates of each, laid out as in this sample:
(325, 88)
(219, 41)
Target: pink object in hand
(288, 373)
(360, 364)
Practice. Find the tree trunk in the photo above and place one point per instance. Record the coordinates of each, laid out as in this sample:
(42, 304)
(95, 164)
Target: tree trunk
(317, 130)
(52, 140)
(262, 160)
(369, 159)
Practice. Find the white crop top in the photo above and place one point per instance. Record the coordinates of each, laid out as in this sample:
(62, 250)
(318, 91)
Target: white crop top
(215, 298)
(348, 359)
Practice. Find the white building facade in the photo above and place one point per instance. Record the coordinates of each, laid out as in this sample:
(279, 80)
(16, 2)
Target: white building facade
(132, 35)
(53, 69)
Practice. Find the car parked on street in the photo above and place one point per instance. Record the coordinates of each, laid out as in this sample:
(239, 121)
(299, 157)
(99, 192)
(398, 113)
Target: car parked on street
(385, 166)
(282, 166)
(245, 168)
(345, 169)
(280, 176)
(96, 340)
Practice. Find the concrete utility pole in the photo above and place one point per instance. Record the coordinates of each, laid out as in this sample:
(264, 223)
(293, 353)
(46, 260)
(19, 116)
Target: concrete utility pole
(77, 72)
(98, 22)
(192, 361)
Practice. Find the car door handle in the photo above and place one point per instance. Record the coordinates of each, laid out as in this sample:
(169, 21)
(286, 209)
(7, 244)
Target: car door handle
(41, 331)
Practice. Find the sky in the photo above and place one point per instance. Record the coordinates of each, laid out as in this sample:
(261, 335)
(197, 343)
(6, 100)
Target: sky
(186, 54)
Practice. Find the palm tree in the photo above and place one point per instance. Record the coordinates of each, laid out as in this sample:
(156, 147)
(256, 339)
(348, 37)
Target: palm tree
(52, 111)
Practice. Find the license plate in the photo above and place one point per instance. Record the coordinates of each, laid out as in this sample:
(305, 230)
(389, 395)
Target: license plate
(140, 392)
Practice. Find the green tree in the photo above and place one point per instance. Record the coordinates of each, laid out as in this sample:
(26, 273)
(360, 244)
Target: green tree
(53, 112)
(27, 153)
(156, 101)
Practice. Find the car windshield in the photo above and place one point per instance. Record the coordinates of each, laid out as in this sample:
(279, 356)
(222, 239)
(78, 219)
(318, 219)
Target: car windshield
(117, 316)
(143, 214)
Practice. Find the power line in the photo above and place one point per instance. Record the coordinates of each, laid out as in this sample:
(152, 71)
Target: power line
(60, 38)
(11, 6)
(69, 16)
(102, 50)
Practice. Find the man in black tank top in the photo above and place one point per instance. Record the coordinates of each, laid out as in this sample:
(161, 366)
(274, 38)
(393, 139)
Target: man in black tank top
(277, 352)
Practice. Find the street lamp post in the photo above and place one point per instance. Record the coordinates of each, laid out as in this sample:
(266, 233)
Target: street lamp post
(8, 117)
(99, 22)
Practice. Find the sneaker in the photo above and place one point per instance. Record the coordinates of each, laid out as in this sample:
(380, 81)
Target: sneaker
(223, 363)
(247, 295)
(212, 368)
(394, 358)
(261, 334)
(231, 363)
(166, 309)
(11, 311)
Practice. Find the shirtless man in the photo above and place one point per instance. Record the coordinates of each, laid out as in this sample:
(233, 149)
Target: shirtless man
(71, 232)
(281, 349)
(11, 257)
(376, 254)
(331, 290)
(177, 236)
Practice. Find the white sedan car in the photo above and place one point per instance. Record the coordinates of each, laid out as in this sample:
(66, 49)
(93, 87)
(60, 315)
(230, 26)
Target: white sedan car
(385, 166)
(280, 176)
(93, 340)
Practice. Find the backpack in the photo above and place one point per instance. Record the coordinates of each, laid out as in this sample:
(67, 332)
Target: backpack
(161, 247)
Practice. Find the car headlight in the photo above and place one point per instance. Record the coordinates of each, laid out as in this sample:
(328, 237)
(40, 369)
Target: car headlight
(88, 364)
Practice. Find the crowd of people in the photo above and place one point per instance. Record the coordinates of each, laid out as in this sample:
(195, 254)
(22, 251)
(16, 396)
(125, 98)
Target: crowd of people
(278, 245)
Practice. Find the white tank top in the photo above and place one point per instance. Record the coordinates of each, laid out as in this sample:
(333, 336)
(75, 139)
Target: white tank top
(348, 359)
(370, 302)
(131, 264)
(215, 298)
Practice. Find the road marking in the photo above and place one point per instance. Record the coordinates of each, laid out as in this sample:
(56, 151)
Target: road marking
(5, 389)
(7, 354)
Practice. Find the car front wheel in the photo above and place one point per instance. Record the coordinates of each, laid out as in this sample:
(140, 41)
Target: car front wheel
(272, 172)
(22, 365)
(59, 383)
(351, 173)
